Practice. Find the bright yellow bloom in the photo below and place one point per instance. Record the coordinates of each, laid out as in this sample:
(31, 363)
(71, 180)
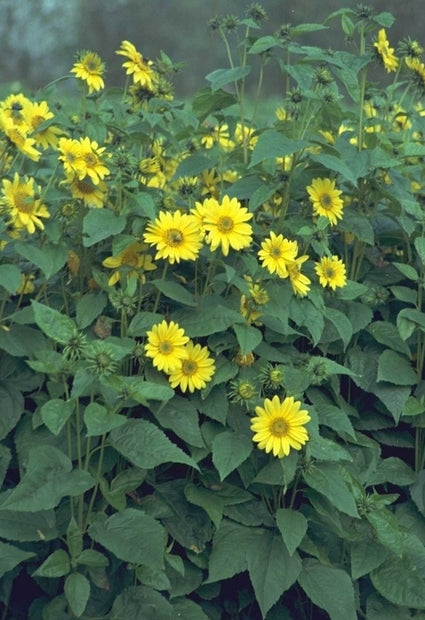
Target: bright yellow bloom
(279, 426)
(276, 252)
(15, 107)
(219, 134)
(244, 134)
(418, 69)
(300, 283)
(326, 199)
(18, 135)
(90, 69)
(132, 256)
(93, 167)
(176, 236)
(26, 286)
(250, 306)
(36, 114)
(385, 52)
(24, 209)
(194, 371)
(225, 224)
(166, 346)
(141, 69)
(71, 157)
(91, 195)
(331, 272)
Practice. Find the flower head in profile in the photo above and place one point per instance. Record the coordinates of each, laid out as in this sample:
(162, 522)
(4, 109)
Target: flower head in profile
(18, 136)
(166, 346)
(141, 69)
(279, 426)
(133, 260)
(71, 157)
(300, 283)
(36, 114)
(276, 253)
(384, 52)
(417, 67)
(225, 224)
(24, 209)
(326, 199)
(176, 236)
(90, 68)
(331, 272)
(194, 371)
(84, 189)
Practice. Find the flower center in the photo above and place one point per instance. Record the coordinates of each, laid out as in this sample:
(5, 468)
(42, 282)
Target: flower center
(276, 253)
(130, 258)
(329, 273)
(90, 159)
(23, 201)
(173, 237)
(189, 367)
(225, 224)
(279, 427)
(37, 120)
(85, 188)
(91, 66)
(165, 347)
(326, 201)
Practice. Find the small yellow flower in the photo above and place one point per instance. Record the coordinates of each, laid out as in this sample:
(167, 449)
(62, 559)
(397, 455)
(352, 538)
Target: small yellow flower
(276, 253)
(18, 135)
(279, 426)
(92, 195)
(90, 69)
(176, 236)
(133, 256)
(194, 371)
(219, 134)
(91, 156)
(326, 199)
(141, 69)
(37, 114)
(331, 272)
(299, 282)
(166, 346)
(225, 224)
(24, 209)
(71, 157)
(385, 52)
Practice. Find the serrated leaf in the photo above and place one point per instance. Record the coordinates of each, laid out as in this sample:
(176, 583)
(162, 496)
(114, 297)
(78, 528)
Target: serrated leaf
(329, 588)
(249, 337)
(395, 369)
(99, 224)
(181, 416)
(88, 308)
(141, 602)
(366, 556)
(211, 319)
(386, 333)
(118, 533)
(175, 291)
(146, 446)
(92, 558)
(57, 326)
(10, 278)
(99, 420)
(143, 322)
(272, 144)
(77, 593)
(230, 545)
(292, 526)
(49, 260)
(229, 450)
(56, 565)
(11, 556)
(55, 414)
(263, 44)
(326, 478)
(222, 77)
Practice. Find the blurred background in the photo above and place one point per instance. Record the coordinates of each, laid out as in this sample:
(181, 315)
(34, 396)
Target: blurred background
(39, 38)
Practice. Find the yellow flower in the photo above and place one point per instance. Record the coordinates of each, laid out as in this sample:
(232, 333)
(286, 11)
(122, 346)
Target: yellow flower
(418, 69)
(279, 426)
(90, 69)
(166, 346)
(331, 272)
(24, 209)
(326, 199)
(276, 252)
(36, 114)
(225, 224)
(14, 107)
(176, 236)
(299, 282)
(244, 135)
(141, 69)
(93, 167)
(26, 286)
(71, 158)
(194, 371)
(385, 52)
(219, 134)
(18, 135)
(91, 195)
(133, 256)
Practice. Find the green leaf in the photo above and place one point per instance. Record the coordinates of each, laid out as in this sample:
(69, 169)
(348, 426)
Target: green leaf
(331, 162)
(119, 532)
(292, 526)
(99, 224)
(248, 337)
(28, 526)
(341, 324)
(92, 558)
(329, 588)
(188, 610)
(10, 278)
(407, 270)
(206, 499)
(193, 165)
(230, 546)
(55, 414)
(175, 291)
(141, 602)
(146, 446)
(11, 406)
(205, 102)
(396, 369)
(56, 565)
(271, 569)
(272, 144)
(222, 77)
(77, 593)
(263, 44)
(326, 478)
(408, 320)
(57, 326)
(49, 477)
(211, 319)
(99, 420)
(386, 333)
(88, 308)
(229, 450)
(11, 556)
(49, 260)
(393, 470)
(420, 248)
(74, 538)
(366, 556)
(181, 416)
(387, 528)
(377, 608)
(143, 322)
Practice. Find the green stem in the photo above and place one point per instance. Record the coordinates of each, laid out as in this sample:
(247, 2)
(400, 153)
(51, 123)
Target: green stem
(96, 486)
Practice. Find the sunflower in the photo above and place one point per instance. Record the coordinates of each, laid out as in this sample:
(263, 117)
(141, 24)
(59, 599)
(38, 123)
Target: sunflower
(18, 136)
(37, 114)
(331, 272)
(166, 346)
(276, 252)
(15, 107)
(300, 283)
(141, 69)
(326, 199)
(218, 134)
(134, 256)
(24, 209)
(90, 69)
(225, 224)
(279, 426)
(418, 70)
(71, 157)
(384, 52)
(175, 235)
(92, 195)
(194, 371)
(94, 168)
